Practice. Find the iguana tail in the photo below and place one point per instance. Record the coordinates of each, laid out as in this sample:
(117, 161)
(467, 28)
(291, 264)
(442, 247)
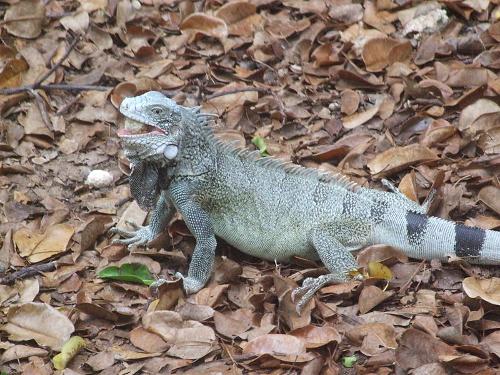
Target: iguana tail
(427, 237)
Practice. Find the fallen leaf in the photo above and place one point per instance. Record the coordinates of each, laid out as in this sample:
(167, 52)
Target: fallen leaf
(396, 159)
(188, 339)
(40, 322)
(68, 351)
(357, 119)
(29, 16)
(285, 347)
(381, 52)
(37, 247)
(372, 296)
(147, 341)
(315, 337)
(204, 24)
(490, 195)
(486, 289)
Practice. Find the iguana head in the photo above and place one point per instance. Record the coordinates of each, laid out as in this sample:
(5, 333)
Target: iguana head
(153, 127)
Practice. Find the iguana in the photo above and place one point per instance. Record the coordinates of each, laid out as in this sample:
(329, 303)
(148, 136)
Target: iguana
(269, 208)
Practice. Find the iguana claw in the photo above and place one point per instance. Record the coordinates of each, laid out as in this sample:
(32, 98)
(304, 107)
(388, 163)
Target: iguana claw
(312, 284)
(134, 238)
(190, 284)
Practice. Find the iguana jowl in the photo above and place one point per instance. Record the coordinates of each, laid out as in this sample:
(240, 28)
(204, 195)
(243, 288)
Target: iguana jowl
(268, 208)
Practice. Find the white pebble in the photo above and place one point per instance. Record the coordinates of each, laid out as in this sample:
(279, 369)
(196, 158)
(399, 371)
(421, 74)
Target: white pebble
(99, 178)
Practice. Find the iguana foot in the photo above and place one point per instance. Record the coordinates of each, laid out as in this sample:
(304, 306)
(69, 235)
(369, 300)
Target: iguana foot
(191, 285)
(311, 285)
(156, 284)
(138, 237)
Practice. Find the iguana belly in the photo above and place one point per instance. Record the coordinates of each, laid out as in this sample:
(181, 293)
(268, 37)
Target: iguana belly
(268, 242)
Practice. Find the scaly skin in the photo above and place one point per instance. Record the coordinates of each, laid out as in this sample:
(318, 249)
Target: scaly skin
(271, 209)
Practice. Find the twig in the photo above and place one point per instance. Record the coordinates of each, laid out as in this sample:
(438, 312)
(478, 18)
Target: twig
(68, 105)
(58, 64)
(26, 272)
(20, 19)
(236, 91)
(41, 108)
(258, 89)
(54, 86)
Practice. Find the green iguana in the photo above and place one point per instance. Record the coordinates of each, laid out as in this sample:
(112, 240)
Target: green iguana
(269, 208)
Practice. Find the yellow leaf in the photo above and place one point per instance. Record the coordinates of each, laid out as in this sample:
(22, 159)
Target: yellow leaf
(68, 351)
(379, 271)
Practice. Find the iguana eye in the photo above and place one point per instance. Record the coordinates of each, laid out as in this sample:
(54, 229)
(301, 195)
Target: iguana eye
(157, 111)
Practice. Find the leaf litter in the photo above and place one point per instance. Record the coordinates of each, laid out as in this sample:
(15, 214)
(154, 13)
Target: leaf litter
(386, 89)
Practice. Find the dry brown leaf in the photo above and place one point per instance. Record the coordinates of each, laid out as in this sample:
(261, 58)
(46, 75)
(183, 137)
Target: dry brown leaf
(379, 53)
(373, 338)
(240, 17)
(147, 341)
(487, 289)
(490, 195)
(204, 24)
(353, 121)
(349, 101)
(234, 323)
(37, 247)
(188, 339)
(40, 322)
(408, 186)
(396, 159)
(284, 347)
(13, 67)
(77, 22)
(17, 352)
(372, 296)
(470, 113)
(315, 337)
(29, 15)
(228, 102)
(417, 348)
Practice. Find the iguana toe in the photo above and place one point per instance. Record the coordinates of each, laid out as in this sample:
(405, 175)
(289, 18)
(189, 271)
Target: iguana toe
(191, 285)
(139, 237)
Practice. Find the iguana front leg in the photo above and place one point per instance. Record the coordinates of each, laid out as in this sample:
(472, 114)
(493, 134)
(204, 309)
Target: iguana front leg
(200, 226)
(160, 217)
(331, 242)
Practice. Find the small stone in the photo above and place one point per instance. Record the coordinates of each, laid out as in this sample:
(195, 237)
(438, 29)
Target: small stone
(99, 178)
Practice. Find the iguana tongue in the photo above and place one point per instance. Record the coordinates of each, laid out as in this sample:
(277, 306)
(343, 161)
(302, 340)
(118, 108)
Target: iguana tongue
(135, 127)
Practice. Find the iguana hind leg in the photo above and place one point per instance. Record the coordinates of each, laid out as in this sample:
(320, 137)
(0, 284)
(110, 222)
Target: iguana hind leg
(332, 242)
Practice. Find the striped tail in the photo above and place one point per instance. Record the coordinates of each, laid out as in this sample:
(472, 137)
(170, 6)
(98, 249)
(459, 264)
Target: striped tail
(428, 237)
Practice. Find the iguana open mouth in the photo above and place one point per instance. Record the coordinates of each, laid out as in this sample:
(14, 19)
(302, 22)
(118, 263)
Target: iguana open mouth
(138, 129)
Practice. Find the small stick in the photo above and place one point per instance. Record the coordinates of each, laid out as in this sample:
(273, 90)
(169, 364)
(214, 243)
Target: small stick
(236, 91)
(26, 272)
(54, 86)
(58, 64)
(258, 89)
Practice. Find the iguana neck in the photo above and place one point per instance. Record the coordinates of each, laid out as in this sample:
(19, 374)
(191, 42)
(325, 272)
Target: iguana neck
(197, 150)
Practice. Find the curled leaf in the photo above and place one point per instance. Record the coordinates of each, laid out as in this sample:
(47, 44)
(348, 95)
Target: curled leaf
(487, 289)
(68, 351)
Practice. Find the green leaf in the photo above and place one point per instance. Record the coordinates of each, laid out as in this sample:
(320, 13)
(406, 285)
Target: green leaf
(260, 143)
(130, 272)
(349, 361)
